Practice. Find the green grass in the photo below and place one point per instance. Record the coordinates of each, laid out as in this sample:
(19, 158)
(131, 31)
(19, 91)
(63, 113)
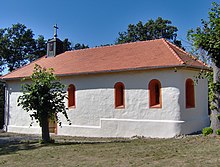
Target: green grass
(73, 151)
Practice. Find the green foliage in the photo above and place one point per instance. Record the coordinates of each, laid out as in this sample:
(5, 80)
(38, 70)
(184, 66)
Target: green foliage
(217, 131)
(208, 37)
(211, 86)
(159, 28)
(66, 45)
(206, 131)
(43, 98)
(44, 94)
(79, 46)
(17, 44)
(41, 47)
(2, 61)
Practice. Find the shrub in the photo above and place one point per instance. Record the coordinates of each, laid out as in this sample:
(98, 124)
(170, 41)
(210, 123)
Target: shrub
(218, 131)
(206, 131)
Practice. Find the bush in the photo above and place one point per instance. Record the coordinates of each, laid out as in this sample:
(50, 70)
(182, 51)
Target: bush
(218, 131)
(206, 131)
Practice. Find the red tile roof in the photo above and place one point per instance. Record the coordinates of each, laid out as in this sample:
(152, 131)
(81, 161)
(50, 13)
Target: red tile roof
(124, 57)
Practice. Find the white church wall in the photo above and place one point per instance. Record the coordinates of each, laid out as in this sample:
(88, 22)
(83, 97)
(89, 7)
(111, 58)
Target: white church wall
(136, 112)
(195, 118)
(17, 120)
(95, 113)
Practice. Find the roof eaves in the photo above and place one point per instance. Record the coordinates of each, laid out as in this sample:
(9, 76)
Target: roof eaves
(136, 69)
(121, 70)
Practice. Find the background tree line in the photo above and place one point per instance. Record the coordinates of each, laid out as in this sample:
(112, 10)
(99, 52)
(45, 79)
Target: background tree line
(18, 47)
(152, 29)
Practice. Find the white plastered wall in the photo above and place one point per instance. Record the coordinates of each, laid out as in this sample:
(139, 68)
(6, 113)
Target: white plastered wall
(95, 114)
(16, 119)
(195, 118)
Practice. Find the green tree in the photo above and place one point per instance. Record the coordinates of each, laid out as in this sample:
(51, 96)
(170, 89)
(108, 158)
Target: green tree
(17, 44)
(79, 46)
(207, 38)
(2, 48)
(18, 47)
(44, 99)
(66, 45)
(41, 47)
(159, 28)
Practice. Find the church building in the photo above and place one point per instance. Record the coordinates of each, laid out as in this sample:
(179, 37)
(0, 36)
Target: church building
(142, 88)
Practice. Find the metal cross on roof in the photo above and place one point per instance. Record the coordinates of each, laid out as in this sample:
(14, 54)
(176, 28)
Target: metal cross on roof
(55, 30)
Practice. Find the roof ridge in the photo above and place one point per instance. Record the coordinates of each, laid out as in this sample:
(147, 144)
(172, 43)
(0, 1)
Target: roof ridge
(188, 54)
(174, 53)
(19, 68)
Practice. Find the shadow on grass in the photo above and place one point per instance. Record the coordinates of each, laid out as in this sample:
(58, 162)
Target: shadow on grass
(13, 147)
(88, 142)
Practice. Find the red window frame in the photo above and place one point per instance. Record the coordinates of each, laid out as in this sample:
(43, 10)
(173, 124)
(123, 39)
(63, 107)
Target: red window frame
(71, 96)
(190, 93)
(119, 95)
(155, 94)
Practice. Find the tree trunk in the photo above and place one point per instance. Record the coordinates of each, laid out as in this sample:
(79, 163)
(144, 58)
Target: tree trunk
(45, 128)
(215, 113)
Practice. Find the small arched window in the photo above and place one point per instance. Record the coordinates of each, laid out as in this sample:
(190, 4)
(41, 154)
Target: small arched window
(119, 95)
(71, 96)
(190, 94)
(155, 98)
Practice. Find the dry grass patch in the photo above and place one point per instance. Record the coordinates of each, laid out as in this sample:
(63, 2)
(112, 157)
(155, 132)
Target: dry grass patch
(74, 151)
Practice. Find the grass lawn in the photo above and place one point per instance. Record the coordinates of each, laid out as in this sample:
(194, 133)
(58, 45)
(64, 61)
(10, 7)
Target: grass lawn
(72, 151)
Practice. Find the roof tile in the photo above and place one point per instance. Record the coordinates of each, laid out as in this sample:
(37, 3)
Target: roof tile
(137, 55)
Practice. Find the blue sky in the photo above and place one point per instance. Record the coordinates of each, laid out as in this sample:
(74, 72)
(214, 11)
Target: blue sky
(96, 22)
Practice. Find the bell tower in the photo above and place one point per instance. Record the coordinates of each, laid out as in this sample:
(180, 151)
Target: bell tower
(55, 45)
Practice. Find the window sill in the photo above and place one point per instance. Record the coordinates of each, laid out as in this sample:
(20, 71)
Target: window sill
(72, 107)
(156, 106)
(120, 107)
(188, 107)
